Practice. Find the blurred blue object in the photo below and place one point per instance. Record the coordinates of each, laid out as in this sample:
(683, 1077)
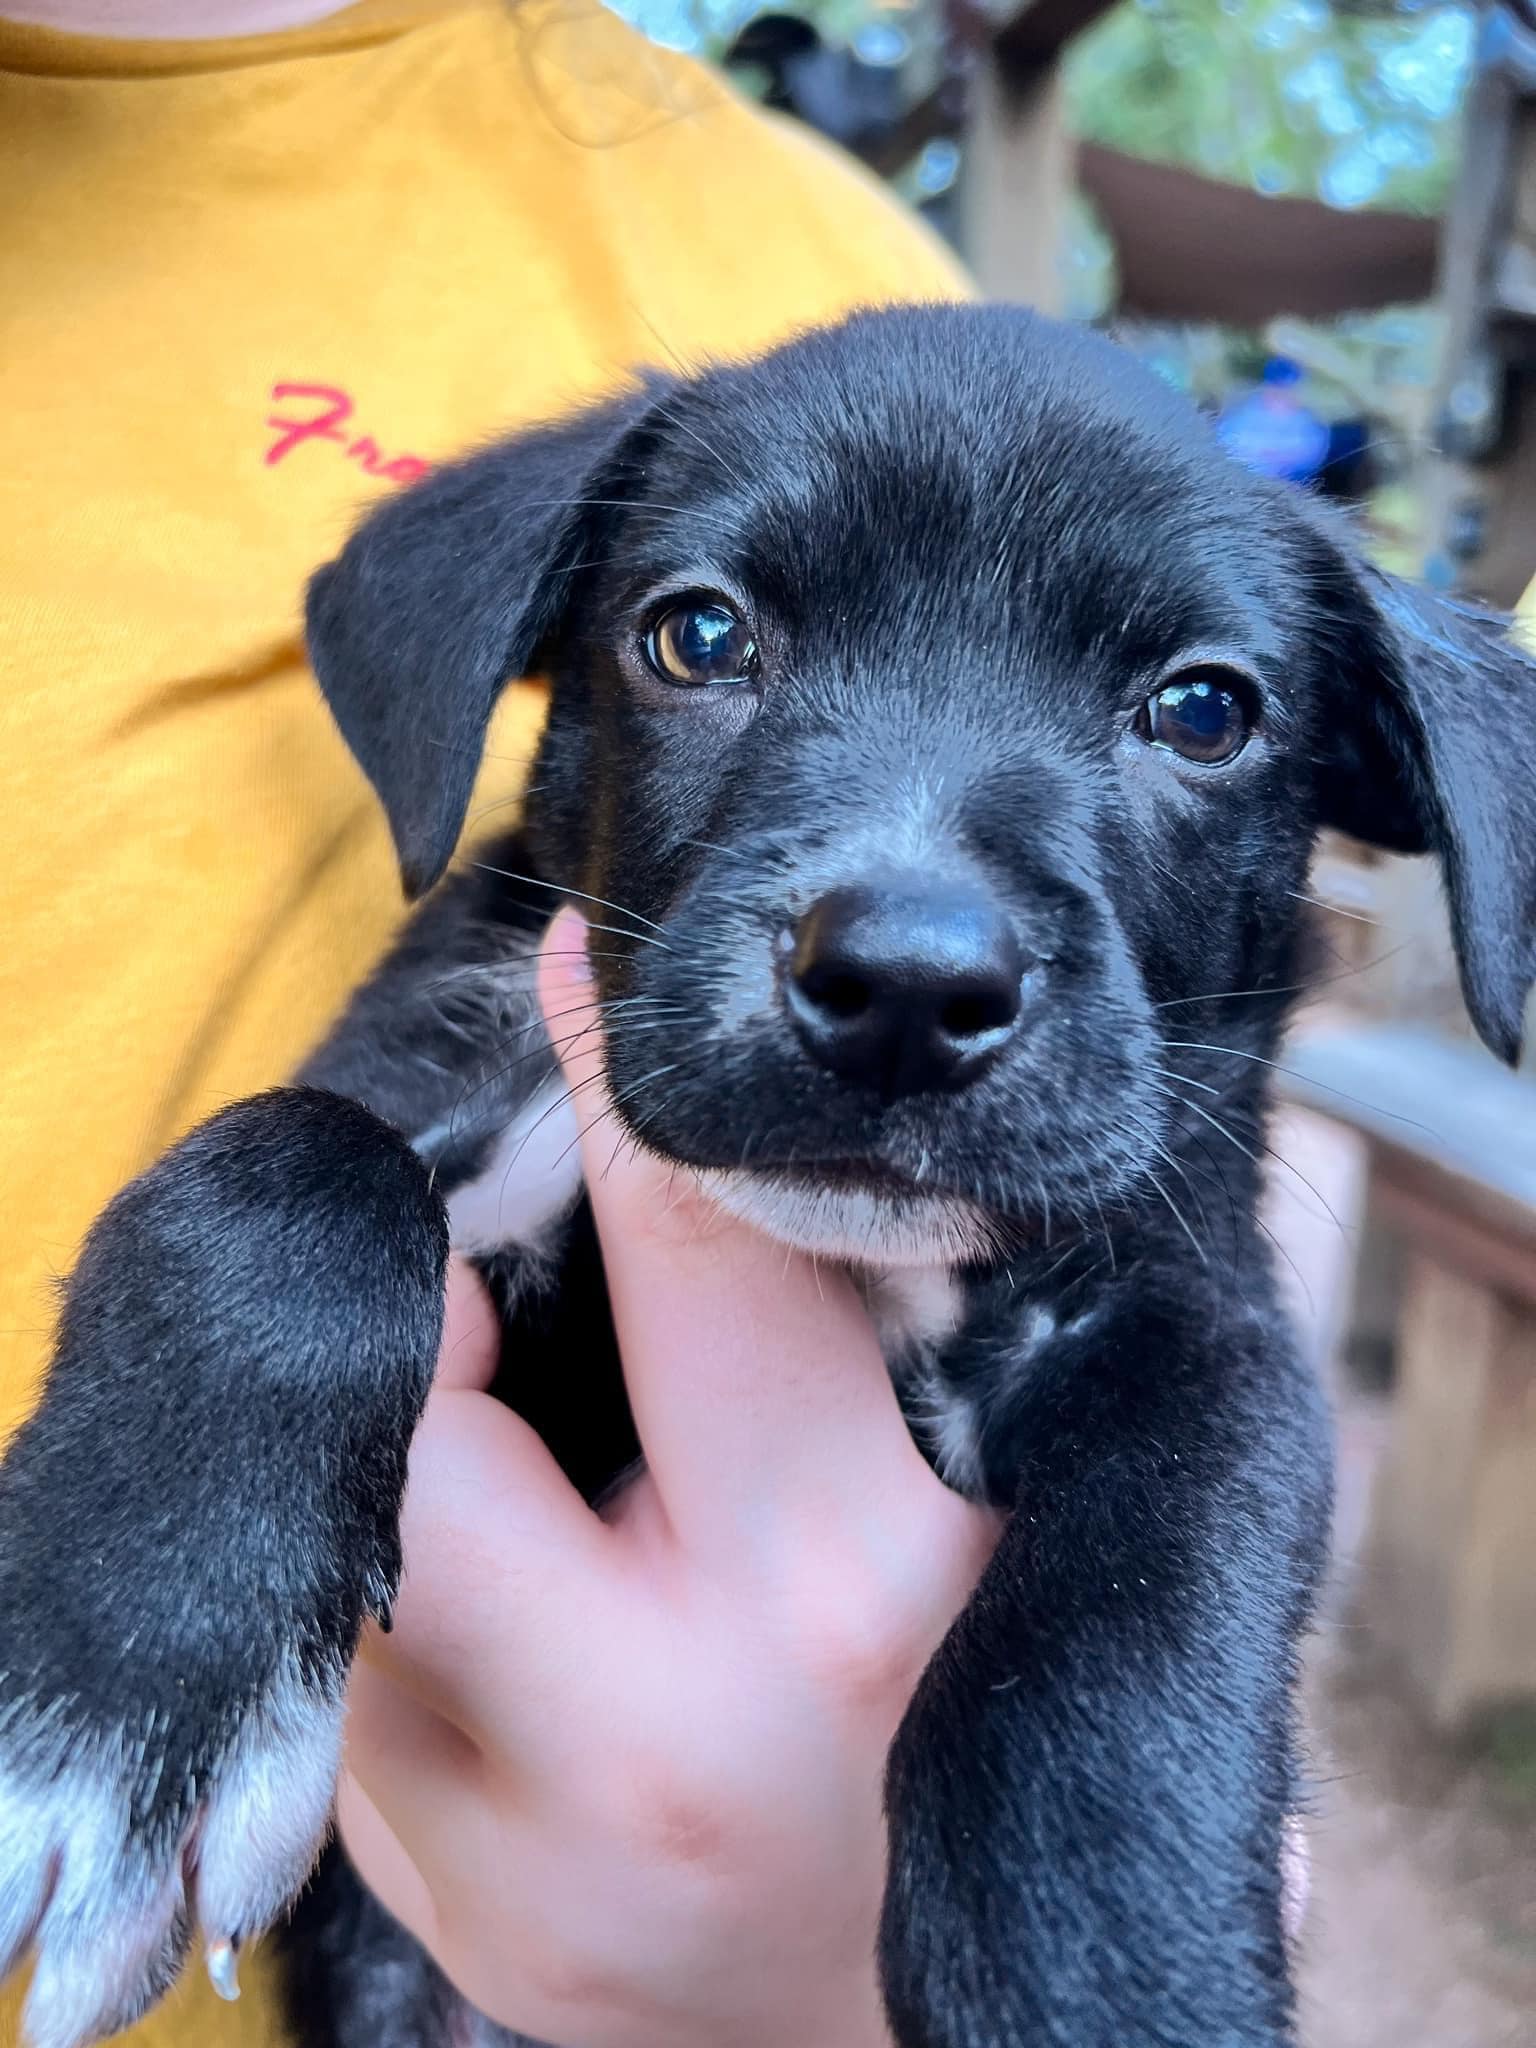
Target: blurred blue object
(1270, 430)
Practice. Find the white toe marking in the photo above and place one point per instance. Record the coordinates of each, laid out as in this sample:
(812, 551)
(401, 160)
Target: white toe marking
(110, 1915)
(24, 1870)
(267, 1819)
(102, 1910)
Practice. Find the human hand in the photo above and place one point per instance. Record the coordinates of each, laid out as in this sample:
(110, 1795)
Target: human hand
(622, 1775)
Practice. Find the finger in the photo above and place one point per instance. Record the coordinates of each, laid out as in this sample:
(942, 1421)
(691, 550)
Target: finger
(389, 1739)
(471, 1347)
(376, 1854)
(411, 1798)
(754, 1375)
(505, 1568)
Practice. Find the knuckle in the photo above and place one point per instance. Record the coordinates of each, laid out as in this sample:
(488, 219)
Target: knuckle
(679, 1819)
(568, 1980)
(859, 1643)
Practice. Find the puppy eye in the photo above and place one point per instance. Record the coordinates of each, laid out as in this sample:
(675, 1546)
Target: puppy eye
(1205, 717)
(701, 644)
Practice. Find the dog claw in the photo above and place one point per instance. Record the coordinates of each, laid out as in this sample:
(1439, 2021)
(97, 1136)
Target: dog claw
(222, 1960)
(378, 1598)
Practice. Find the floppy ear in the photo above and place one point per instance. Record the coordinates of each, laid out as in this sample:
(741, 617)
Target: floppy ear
(1441, 758)
(447, 592)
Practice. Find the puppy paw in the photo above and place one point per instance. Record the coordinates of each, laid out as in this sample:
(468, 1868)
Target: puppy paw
(121, 1847)
(194, 1523)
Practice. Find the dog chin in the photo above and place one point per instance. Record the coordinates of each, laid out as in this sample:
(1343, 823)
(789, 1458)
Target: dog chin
(857, 1227)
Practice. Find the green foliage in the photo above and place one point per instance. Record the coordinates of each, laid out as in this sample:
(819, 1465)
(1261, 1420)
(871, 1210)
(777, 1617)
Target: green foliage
(1286, 96)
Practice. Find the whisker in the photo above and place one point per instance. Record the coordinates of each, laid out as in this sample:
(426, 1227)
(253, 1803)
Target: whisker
(504, 974)
(610, 504)
(552, 1048)
(773, 854)
(1236, 1053)
(1178, 1218)
(618, 931)
(1188, 1079)
(1053, 1268)
(1291, 988)
(668, 349)
(564, 889)
(618, 1147)
(567, 1095)
(625, 1095)
(1280, 1247)
(1221, 1129)
(699, 441)
(496, 803)
(1109, 1243)
(1337, 910)
(1215, 1173)
(604, 1010)
(1162, 1150)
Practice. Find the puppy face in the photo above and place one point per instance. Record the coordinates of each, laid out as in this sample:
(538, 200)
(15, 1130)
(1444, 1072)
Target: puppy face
(951, 722)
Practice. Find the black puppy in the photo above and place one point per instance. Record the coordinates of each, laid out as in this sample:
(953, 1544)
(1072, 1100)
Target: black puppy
(940, 727)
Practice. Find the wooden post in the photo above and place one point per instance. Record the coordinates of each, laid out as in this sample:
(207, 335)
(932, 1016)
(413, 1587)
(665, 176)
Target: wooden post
(1020, 163)
(1482, 490)
(1450, 1587)
(1016, 184)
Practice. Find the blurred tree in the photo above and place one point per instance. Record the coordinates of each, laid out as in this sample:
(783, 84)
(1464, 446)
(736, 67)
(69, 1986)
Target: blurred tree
(1347, 104)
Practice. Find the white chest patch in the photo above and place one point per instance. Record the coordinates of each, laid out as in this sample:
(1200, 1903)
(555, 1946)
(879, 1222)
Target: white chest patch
(914, 1309)
(528, 1183)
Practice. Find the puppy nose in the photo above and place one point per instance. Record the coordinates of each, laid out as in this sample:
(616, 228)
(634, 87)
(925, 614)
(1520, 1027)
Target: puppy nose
(905, 988)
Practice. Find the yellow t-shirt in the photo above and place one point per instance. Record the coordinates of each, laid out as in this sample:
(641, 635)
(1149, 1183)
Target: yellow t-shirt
(245, 289)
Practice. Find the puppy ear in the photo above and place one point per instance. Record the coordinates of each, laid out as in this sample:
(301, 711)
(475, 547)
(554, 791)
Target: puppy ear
(1440, 757)
(447, 592)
